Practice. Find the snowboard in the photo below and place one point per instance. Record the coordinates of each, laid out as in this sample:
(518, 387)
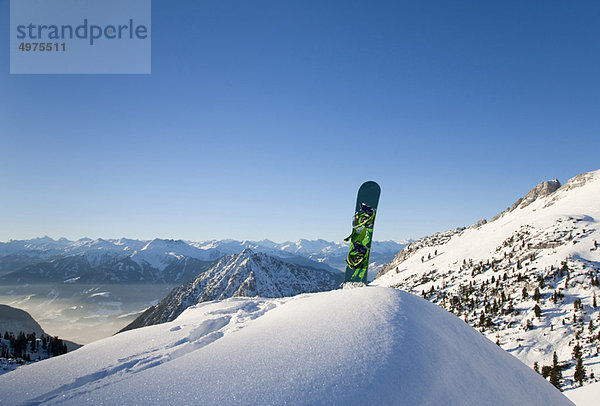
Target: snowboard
(357, 262)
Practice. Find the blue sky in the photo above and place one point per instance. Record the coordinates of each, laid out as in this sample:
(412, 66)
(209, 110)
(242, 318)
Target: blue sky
(261, 119)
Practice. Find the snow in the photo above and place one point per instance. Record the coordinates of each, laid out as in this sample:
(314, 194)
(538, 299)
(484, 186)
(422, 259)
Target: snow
(586, 396)
(367, 345)
(101, 294)
(562, 226)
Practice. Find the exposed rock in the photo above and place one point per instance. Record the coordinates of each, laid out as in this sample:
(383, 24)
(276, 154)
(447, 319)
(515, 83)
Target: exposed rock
(542, 190)
(247, 274)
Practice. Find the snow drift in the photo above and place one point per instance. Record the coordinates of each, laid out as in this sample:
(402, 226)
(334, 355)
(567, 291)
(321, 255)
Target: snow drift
(357, 346)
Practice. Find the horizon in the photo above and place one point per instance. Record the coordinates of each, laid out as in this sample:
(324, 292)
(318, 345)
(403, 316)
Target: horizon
(262, 120)
(398, 241)
(57, 239)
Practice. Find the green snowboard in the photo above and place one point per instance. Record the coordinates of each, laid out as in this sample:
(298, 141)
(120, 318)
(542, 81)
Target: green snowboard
(362, 232)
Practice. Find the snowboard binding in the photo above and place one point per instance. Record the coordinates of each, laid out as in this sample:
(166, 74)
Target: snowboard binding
(365, 216)
(357, 255)
(362, 222)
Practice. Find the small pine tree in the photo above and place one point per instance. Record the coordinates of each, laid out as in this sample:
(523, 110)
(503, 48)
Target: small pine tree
(524, 292)
(579, 374)
(546, 370)
(555, 373)
(537, 311)
(536, 295)
(536, 367)
(576, 351)
(594, 302)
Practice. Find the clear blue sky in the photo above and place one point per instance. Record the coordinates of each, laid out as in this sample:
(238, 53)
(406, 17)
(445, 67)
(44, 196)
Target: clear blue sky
(261, 119)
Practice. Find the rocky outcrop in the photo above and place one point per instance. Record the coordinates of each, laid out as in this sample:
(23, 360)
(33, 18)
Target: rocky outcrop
(247, 274)
(542, 190)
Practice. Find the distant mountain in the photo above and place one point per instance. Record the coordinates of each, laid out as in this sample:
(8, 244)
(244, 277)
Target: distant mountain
(327, 253)
(247, 274)
(16, 320)
(528, 279)
(23, 341)
(44, 260)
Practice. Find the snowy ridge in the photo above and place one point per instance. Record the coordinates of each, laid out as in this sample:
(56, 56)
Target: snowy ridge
(489, 275)
(160, 253)
(310, 349)
(247, 274)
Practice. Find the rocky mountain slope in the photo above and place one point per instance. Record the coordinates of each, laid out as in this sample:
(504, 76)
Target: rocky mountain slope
(528, 279)
(247, 274)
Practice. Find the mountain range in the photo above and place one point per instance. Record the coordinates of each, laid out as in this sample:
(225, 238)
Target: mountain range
(157, 261)
(89, 289)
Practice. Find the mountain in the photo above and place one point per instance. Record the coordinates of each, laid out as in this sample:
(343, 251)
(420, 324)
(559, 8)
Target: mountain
(320, 348)
(528, 279)
(88, 289)
(22, 340)
(328, 254)
(16, 320)
(13, 320)
(247, 274)
(45, 260)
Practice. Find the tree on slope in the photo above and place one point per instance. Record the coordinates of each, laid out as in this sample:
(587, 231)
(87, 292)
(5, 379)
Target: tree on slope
(579, 375)
(555, 373)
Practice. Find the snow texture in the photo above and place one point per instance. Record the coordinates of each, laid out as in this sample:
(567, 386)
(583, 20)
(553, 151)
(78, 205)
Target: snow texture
(586, 396)
(310, 349)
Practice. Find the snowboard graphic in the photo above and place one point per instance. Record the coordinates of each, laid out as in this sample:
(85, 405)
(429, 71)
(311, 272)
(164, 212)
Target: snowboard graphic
(362, 232)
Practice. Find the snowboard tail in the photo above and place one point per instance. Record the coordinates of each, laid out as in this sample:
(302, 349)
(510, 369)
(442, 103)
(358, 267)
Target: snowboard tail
(357, 262)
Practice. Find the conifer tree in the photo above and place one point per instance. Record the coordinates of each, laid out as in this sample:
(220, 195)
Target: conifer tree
(579, 374)
(555, 373)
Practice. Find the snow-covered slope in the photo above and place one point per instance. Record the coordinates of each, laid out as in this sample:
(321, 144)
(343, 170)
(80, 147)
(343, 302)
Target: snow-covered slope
(489, 274)
(321, 348)
(588, 395)
(247, 274)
